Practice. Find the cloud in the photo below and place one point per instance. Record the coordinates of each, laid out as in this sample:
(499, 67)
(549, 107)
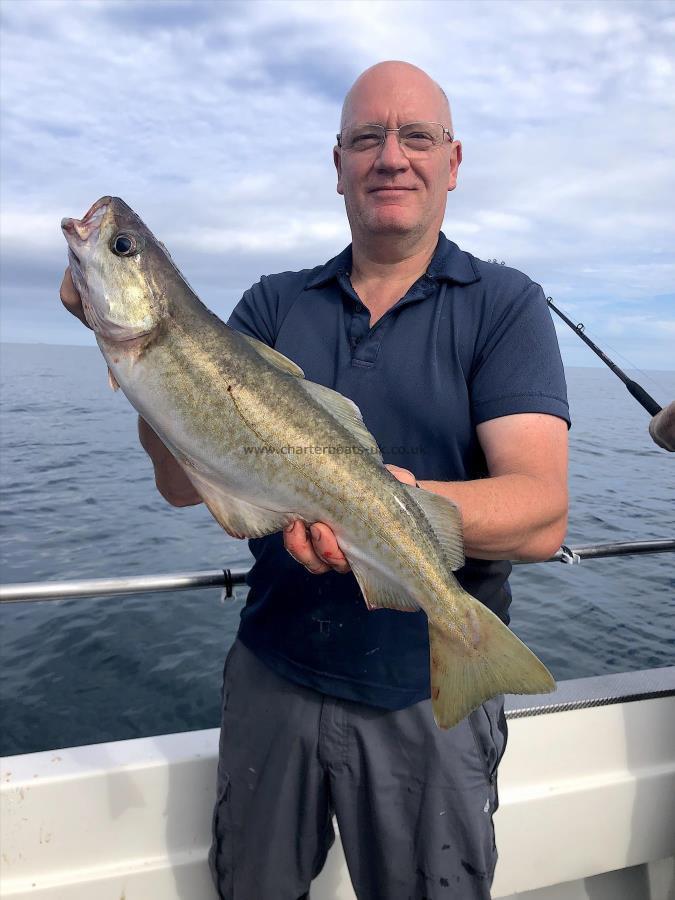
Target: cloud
(216, 123)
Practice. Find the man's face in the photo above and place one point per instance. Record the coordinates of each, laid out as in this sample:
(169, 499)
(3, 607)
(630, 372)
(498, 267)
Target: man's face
(385, 191)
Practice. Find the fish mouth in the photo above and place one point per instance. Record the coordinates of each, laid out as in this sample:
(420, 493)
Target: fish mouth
(79, 231)
(99, 207)
(81, 236)
(74, 260)
(76, 268)
(80, 282)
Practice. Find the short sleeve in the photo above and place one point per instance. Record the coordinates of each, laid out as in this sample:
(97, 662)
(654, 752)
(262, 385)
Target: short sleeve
(256, 313)
(517, 367)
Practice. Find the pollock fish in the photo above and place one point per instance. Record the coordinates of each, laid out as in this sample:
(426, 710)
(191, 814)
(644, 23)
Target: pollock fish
(228, 407)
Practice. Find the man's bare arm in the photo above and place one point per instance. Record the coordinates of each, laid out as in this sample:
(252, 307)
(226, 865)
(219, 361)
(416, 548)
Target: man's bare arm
(519, 512)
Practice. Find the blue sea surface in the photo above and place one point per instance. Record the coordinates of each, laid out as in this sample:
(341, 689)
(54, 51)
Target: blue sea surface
(79, 501)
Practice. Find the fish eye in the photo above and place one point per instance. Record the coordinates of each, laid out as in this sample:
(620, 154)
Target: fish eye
(124, 245)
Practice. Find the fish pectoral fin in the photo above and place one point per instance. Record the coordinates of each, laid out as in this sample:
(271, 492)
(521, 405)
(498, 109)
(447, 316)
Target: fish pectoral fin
(239, 518)
(272, 356)
(379, 592)
(112, 381)
(347, 414)
(486, 660)
(446, 522)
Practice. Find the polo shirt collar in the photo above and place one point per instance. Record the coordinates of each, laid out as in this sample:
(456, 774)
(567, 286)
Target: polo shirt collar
(339, 265)
(448, 263)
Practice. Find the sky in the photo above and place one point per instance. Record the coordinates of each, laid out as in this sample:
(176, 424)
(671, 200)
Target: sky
(216, 121)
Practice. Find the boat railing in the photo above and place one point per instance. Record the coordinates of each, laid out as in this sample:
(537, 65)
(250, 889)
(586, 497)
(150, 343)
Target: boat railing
(227, 579)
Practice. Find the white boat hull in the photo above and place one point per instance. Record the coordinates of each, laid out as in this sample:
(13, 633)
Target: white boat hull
(587, 811)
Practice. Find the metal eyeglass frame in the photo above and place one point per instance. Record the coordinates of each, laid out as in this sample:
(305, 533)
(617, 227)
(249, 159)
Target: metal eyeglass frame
(386, 131)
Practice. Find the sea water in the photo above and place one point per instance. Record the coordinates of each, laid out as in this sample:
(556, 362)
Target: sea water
(79, 501)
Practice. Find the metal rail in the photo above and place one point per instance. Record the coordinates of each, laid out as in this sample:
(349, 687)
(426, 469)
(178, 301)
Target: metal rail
(598, 690)
(574, 555)
(227, 578)
(135, 584)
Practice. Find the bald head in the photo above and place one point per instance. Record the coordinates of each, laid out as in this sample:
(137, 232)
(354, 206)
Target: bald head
(393, 192)
(399, 84)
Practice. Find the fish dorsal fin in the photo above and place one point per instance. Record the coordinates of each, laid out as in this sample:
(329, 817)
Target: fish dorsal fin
(342, 408)
(347, 413)
(446, 522)
(273, 357)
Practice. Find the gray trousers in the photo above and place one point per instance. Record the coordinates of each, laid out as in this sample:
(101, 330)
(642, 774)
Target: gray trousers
(413, 803)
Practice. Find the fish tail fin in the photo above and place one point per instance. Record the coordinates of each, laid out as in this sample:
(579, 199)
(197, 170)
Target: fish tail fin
(488, 659)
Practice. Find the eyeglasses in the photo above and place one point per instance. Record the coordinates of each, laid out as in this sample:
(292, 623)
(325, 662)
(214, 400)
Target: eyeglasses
(416, 138)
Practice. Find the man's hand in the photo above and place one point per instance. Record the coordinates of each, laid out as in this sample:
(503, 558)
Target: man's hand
(170, 479)
(662, 428)
(71, 299)
(316, 547)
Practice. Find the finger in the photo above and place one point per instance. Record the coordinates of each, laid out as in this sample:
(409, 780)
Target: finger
(298, 544)
(70, 297)
(403, 475)
(327, 548)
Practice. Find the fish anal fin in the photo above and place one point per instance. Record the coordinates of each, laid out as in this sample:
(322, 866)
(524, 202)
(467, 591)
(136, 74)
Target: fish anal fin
(273, 357)
(239, 518)
(446, 522)
(477, 659)
(379, 592)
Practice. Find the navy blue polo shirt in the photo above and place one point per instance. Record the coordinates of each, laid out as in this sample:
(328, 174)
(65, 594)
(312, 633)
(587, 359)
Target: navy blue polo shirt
(470, 341)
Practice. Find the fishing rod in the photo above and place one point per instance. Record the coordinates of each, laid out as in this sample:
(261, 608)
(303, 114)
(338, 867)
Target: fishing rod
(640, 394)
(227, 579)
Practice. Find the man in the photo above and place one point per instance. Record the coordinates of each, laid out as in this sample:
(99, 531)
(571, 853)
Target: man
(454, 365)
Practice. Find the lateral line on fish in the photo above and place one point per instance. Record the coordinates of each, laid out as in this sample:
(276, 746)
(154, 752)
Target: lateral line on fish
(289, 459)
(413, 566)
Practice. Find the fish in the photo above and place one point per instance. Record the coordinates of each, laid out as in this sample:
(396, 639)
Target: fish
(264, 447)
